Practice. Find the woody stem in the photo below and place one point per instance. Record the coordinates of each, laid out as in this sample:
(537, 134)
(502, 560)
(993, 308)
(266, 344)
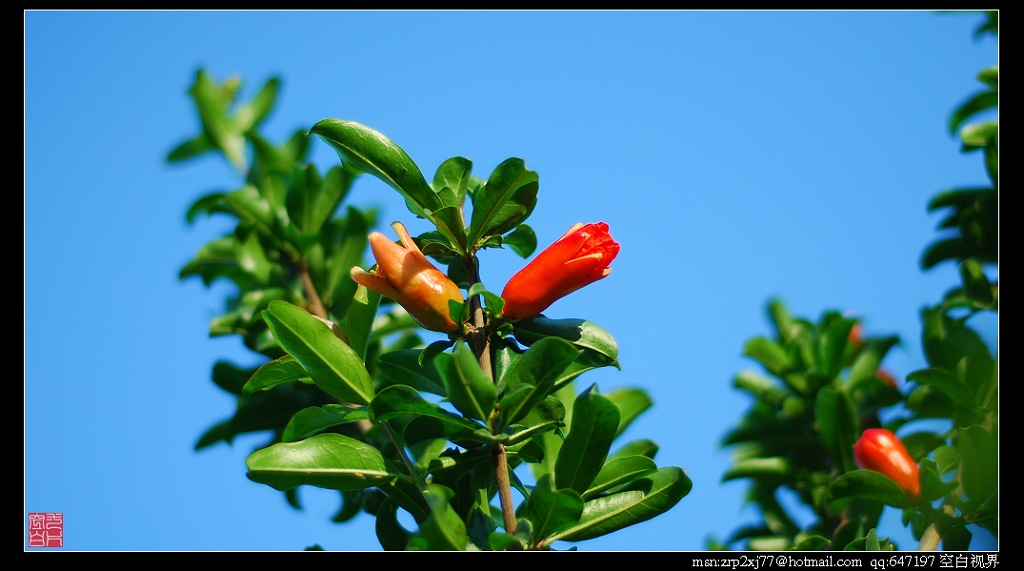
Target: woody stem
(480, 340)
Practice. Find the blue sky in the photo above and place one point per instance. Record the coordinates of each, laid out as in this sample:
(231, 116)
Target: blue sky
(736, 156)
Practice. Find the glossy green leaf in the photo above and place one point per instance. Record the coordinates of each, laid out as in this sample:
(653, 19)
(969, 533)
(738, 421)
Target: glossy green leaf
(620, 471)
(504, 201)
(581, 333)
(640, 447)
(639, 501)
(551, 510)
(368, 150)
(979, 461)
(455, 173)
(331, 461)
(868, 485)
(334, 366)
(282, 370)
(404, 367)
(631, 402)
(399, 400)
(593, 426)
(444, 530)
(949, 383)
(532, 377)
(838, 424)
(359, 321)
(522, 240)
(546, 415)
(316, 419)
(466, 384)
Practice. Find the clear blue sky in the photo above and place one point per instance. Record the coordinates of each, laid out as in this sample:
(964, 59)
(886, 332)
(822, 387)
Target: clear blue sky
(736, 155)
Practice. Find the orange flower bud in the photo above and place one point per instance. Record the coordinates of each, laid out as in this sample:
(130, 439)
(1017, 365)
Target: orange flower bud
(882, 451)
(404, 274)
(580, 257)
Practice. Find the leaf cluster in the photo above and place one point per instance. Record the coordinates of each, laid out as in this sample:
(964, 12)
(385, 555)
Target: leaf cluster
(356, 400)
(821, 385)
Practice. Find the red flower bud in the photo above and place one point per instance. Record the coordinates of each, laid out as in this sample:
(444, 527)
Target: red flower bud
(404, 274)
(882, 451)
(580, 257)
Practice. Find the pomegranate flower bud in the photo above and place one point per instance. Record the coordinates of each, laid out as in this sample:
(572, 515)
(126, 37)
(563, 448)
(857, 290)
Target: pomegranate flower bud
(404, 274)
(580, 257)
(882, 451)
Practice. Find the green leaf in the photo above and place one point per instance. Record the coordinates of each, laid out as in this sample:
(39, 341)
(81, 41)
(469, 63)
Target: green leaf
(581, 333)
(551, 510)
(444, 530)
(641, 447)
(867, 361)
(775, 467)
(399, 400)
(359, 322)
(522, 240)
(368, 150)
(973, 105)
(768, 353)
(838, 424)
(833, 346)
(620, 471)
(593, 426)
(408, 497)
(941, 250)
(348, 240)
(390, 533)
(190, 149)
(543, 417)
(946, 458)
(282, 370)
(468, 387)
(240, 259)
(760, 387)
(868, 485)
(254, 112)
(979, 462)
(455, 173)
(944, 381)
(404, 367)
(532, 377)
(641, 500)
(331, 461)
(334, 366)
(316, 419)
(631, 403)
(504, 201)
